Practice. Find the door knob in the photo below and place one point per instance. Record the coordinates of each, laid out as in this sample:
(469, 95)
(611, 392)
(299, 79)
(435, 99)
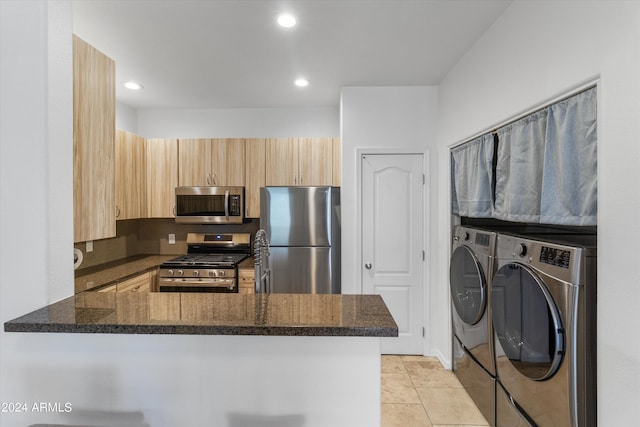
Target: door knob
(368, 266)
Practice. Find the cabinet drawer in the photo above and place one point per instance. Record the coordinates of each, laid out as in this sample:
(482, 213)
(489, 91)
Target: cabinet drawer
(140, 283)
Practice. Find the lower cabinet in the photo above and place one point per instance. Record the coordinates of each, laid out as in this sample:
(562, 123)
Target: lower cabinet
(246, 281)
(139, 283)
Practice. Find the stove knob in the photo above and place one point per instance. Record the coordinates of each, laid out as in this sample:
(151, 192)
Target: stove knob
(170, 272)
(221, 273)
(212, 273)
(180, 273)
(196, 273)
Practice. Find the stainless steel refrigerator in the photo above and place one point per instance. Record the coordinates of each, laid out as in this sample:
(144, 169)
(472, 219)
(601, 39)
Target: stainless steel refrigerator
(303, 229)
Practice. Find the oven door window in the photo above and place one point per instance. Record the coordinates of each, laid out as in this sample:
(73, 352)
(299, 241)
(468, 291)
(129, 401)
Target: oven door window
(468, 285)
(200, 205)
(526, 321)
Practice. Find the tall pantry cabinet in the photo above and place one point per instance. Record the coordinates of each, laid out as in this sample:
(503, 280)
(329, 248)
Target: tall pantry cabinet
(93, 143)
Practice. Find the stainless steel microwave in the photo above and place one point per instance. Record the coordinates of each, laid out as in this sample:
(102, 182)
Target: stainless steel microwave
(209, 205)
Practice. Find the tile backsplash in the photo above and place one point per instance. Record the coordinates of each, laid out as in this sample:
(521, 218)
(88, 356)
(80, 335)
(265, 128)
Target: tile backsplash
(151, 236)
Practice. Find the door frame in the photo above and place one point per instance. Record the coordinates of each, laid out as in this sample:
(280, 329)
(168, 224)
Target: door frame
(426, 229)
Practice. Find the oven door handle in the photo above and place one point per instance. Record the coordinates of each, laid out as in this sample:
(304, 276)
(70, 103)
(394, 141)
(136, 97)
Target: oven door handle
(209, 283)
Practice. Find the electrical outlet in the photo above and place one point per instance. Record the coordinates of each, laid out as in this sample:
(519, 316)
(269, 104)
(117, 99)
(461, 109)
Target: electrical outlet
(172, 239)
(89, 247)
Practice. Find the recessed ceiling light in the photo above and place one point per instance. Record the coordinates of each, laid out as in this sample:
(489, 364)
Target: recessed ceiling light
(286, 20)
(301, 82)
(133, 85)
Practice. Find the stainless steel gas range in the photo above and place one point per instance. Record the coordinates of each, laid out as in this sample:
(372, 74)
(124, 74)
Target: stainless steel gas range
(210, 265)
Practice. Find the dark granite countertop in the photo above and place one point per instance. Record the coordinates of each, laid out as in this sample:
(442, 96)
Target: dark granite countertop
(113, 271)
(212, 314)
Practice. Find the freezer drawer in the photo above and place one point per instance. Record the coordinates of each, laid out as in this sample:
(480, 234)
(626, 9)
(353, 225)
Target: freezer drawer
(306, 270)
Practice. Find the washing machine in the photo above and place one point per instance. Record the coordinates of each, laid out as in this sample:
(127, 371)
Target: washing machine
(470, 274)
(543, 309)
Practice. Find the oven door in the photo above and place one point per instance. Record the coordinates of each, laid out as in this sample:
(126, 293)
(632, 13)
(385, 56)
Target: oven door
(209, 205)
(192, 284)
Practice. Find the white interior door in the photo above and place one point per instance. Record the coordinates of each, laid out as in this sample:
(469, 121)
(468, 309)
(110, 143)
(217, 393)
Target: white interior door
(392, 242)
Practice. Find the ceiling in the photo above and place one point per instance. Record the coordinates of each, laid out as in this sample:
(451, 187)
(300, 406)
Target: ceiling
(232, 54)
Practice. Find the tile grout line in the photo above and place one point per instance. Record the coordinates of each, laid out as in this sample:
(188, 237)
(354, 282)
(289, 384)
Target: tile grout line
(424, 408)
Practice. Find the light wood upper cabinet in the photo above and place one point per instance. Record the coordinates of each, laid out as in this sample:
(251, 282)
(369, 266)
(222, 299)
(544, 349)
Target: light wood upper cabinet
(281, 162)
(212, 162)
(161, 177)
(130, 176)
(316, 161)
(299, 162)
(337, 162)
(93, 143)
(254, 176)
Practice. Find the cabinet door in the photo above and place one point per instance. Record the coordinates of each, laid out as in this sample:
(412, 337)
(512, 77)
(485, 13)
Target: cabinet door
(337, 162)
(194, 162)
(281, 161)
(255, 175)
(315, 161)
(93, 143)
(130, 171)
(162, 177)
(227, 161)
(246, 281)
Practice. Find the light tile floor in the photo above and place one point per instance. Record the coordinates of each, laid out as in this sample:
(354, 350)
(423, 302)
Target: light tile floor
(418, 392)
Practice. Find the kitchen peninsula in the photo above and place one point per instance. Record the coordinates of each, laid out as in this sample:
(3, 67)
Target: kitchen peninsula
(241, 360)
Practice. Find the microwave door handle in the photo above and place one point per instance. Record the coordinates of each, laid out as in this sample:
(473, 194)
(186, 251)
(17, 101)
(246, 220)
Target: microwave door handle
(226, 204)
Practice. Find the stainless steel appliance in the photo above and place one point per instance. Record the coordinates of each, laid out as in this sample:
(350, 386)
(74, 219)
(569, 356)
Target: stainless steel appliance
(543, 306)
(302, 225)
(210, 265)
(209, 205)
(470, 274)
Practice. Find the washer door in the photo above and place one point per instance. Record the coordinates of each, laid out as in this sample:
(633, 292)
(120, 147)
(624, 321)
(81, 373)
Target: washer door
(526, 321)
(468, 285)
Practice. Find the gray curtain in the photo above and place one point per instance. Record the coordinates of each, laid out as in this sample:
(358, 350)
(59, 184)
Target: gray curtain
(569, 176)
(471, 178)
(545, 169)
(519, 169)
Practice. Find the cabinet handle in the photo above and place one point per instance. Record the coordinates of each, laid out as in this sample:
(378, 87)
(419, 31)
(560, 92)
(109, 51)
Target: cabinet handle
(301, 180)
(213, 179)
(117, 211)
(174, 210)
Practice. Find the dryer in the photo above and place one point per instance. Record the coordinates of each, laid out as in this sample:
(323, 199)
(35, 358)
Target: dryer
(543, 299)
(470, 274)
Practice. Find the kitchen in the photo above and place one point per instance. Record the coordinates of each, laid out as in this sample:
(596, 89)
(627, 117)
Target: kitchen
(602, 44)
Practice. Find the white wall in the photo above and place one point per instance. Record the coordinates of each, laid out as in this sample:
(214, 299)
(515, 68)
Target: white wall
(126, 118)
(535, 52)
(239, 123)
(383, 119)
